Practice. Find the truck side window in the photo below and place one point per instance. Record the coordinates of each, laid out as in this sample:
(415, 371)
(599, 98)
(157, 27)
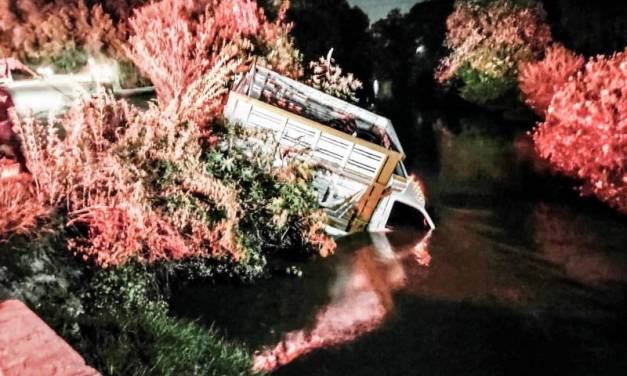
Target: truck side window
(400, 170)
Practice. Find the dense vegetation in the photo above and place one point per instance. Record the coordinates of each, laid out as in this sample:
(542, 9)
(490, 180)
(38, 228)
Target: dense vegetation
(584, 134)
(488, 40)
(117, 318)
(119, 202)
(503, 47)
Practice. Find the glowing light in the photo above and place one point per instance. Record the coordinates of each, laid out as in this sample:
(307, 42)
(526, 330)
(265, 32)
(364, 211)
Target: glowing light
(46, 72)
(101, 73)
(8, 169)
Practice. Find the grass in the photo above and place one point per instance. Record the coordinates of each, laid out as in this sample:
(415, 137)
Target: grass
(153, 343)
(116, 318)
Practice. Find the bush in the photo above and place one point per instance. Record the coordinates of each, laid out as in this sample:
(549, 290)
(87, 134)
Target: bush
(488, 40)
(538, 81)
(481, 88)
(584, 135)
(145, 188)
(103, 171)
(176, 42)
(327, 76)
(138, 183)
(21, 211)
(60, 33)
(149, 342)
(37, 269)
(280, 208)
(117, 318)
(129, 332)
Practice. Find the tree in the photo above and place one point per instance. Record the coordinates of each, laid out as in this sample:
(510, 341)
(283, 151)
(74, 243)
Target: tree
(584, 135)
(408, 48)
(406, 51)
(488, 40)
(538, 81)
(324, 24)
(176, 43)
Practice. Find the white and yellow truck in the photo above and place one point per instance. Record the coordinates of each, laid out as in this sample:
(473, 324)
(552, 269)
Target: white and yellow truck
(361, 179)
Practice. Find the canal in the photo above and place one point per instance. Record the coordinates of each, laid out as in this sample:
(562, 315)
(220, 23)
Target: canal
(519, 277)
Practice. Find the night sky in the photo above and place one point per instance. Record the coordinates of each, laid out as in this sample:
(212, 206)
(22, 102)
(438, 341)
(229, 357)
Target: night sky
(377, 9)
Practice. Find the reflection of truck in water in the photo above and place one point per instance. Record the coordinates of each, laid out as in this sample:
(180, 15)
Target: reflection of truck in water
(361, 180)
(362, 298)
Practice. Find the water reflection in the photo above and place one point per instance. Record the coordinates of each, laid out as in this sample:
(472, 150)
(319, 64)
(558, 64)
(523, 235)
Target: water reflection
(472, 155)
(507, 292)
(523, 280)
(361, 299)
(571, 241)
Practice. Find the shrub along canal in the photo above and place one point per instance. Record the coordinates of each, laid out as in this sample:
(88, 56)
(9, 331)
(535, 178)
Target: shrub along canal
(520, 281)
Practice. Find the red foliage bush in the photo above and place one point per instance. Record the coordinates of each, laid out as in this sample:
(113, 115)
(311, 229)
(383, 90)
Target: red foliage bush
(97, 172)
(19, 208)
(170, 47)
(181, 52)
(538, 81)
(235, 17)
(585, 132)
(281, 56)
(118, 234)
(137, 181)
(176, 42)
(36, 29)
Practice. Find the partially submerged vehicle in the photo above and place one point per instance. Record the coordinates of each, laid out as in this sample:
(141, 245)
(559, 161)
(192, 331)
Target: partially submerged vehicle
(360, 180)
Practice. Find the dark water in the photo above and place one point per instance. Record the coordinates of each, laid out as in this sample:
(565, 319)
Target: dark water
(520, 281)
